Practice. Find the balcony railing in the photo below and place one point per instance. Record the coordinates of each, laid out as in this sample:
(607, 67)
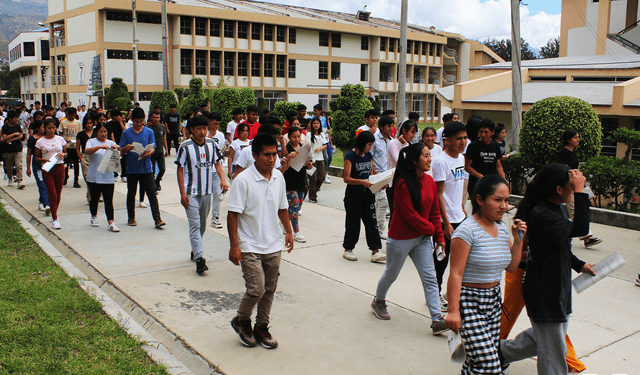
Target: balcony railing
(449, 79)
(57, 41)
(59, 80)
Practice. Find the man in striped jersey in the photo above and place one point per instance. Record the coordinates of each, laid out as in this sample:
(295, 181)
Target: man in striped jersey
(197, 158)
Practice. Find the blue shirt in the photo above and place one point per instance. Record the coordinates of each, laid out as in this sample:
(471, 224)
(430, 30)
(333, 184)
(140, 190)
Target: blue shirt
(145, 137)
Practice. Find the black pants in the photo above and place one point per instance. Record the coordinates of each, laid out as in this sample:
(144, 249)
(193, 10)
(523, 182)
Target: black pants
(148, 185)
(360, 204)
(390, 193)
(173, 137)
(441, 265)
(72, 157)
(107, 193)
(159, 160)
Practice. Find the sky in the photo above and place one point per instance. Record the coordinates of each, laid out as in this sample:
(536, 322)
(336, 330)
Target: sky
(473, 19)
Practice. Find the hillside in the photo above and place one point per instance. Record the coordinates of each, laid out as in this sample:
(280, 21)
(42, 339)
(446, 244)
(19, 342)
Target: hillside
(17, 16)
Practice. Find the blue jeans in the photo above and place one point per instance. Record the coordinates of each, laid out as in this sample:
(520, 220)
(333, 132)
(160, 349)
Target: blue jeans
(42, 188)
(419, 249)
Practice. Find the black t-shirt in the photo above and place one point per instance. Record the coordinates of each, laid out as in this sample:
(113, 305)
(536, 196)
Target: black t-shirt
(31, 144)
(173, 122)
(568, 157)
(484, 159)
(81, 139)
(115, 129)
(15, 145)
(295, 181)
(158, 133)
(33, 128)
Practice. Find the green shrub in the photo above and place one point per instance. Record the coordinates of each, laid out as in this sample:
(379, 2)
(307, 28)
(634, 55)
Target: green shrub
(375, 102)
(545, 122)
(262, 105)
(195, 99)
(225, 99)
(613, 178)
(163, 98)
(348, 114)
(124, 104)
(118, 89)
(629, 137)
(280, 109)
(179, 92)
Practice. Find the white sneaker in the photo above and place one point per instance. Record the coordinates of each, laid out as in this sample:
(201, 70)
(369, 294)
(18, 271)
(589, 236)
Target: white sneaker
(378, 257)
(10, 183)
(383, 235)
(298, 237)
(41, 207)
(47, 210)
(327, 180)
(94, 222)
(143, 205)
(56, 224)
(348, 255)
(216, 223)
(444, 304)
(113, 227)
(299, 212)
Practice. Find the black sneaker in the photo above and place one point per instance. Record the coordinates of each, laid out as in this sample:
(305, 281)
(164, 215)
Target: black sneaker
(76, 185)
(192, 255)
(262, 335)
(201, 265)
(592, 241)
(243, 328)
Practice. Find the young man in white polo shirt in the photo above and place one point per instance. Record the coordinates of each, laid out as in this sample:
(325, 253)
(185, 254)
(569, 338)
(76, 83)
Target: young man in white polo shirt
(256, 238)
(197, 159)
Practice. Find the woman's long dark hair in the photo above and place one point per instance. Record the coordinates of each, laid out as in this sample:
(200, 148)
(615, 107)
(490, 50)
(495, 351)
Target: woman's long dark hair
(363, 138)
(543, 188)
(567, 135)
(406, 170)
(313, 131)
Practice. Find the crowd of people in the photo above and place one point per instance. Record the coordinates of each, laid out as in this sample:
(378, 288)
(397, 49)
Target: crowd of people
(284, 163)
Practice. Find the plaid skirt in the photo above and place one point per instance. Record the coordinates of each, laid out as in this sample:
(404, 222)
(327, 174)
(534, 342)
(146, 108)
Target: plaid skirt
(480, 331)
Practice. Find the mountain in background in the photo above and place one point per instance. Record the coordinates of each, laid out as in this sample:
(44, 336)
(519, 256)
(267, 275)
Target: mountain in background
(17, 16)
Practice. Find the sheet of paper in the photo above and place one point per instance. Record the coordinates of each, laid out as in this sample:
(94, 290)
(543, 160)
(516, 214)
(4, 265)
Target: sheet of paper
(311, 171)
(48, 165)
(137, 148)
(603, 268)
(381, 180)
(114, 162)
(301, 159)
(104, 162)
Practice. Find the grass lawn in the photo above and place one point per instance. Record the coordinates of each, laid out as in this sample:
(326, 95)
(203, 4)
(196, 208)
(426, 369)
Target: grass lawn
(48, 324)
(338, 159)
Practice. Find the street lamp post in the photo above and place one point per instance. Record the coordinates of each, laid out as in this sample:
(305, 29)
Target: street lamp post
(54, 66)
(165, 57)
(135, 54)
(402, 71)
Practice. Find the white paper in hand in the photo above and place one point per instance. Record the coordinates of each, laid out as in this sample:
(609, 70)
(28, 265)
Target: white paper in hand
(48, 165)
(104, 162)
(603, 268)
(381, 180)
(301, 159)
(456, 348)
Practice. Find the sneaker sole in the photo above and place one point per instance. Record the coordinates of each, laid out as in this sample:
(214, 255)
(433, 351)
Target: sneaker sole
(159, 225)
(350, 259)
(267, 346)
(379, 316)
(592, 244)
(247, 344)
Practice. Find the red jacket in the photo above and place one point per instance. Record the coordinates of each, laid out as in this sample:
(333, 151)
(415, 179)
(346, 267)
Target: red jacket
(406, 222)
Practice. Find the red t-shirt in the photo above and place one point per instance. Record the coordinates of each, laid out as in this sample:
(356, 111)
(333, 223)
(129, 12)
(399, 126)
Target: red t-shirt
(406, 222)
(253, 129)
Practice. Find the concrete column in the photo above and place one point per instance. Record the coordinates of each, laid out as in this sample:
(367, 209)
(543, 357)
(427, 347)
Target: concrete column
(604, 16)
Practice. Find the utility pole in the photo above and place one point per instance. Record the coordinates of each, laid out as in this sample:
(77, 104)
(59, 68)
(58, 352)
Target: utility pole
(135, 53)
(516, 74)
(402, 71)
(165, 57)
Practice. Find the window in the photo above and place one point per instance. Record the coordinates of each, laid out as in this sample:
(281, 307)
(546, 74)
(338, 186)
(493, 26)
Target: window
(323, 100)
(281, 60)
(409, 46)
(118, 54)
(201, 62)
(292, 36)
(438, 50)
(292, 68)
(149, 55)
(243, 64)
(434, 76)
(214, 27)
(229, 60)
(272, 97)
(243, 30)
(256, 31)
(255, 64)
(364, 43)
(323, 70)
(229, 29)
(119, 16)
(268, 65)
(185, 25)
(44, 50)
(335, 70)
(214, 63)
(392, 45)
(29, 48)
(609, 124)
(323, 39)
(416, 48)
(268, 32)
(185, 61)
(201, 26)
(281, 33)
(383, 44)
(336, 40)
(418, 104)
(436, 107)
(386, 101)
(429, 105)
(148, 18)
(385, 73)
(431, 49)
(145, 96)
(424, 48)
(364, 72)
(418, 77)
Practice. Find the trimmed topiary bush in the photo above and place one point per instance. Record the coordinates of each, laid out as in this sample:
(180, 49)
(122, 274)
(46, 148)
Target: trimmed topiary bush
(118, 89)
(280, 109)
(163, 98)
(347, 112)
(545, 122)
(179, 92)
(124, 104)
(195, 99)
(225, 99)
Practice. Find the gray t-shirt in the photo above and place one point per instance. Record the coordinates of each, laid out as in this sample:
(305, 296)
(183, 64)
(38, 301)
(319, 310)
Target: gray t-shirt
(159, 132)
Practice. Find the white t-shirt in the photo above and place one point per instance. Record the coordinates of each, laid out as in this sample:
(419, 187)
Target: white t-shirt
(94, 161)
(245, 160)
(237, 146)
(81, 115)
(439, 136)
(220, 142)
(258, 222)
(60, 115)
(51, 147)
(320, 140)
(231, 128)
(451, 171)
(435, 151)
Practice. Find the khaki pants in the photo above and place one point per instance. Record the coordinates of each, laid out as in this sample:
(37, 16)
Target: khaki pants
(260, 272)
(84, 161)
(12, 159)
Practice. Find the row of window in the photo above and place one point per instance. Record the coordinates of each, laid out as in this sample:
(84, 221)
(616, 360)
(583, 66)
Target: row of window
(387, 75)
(118, 54)
(229, 29)
(113, 15)
(247, 64)
(417, 47)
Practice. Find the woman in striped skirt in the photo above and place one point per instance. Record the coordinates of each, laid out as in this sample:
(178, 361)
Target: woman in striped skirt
(480, 251)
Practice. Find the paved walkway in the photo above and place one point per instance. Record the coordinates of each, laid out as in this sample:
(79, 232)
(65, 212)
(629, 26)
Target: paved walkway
(321, 315)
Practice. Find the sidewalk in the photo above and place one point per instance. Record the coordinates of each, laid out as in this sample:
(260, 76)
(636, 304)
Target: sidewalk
(321, 316)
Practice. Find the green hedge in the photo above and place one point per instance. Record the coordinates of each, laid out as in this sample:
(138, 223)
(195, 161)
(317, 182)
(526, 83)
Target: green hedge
(347, 112)
(164, 99)
(118, 89)
(225, 99)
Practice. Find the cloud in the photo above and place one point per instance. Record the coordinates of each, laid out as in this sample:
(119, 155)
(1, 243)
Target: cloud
(473, 19)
